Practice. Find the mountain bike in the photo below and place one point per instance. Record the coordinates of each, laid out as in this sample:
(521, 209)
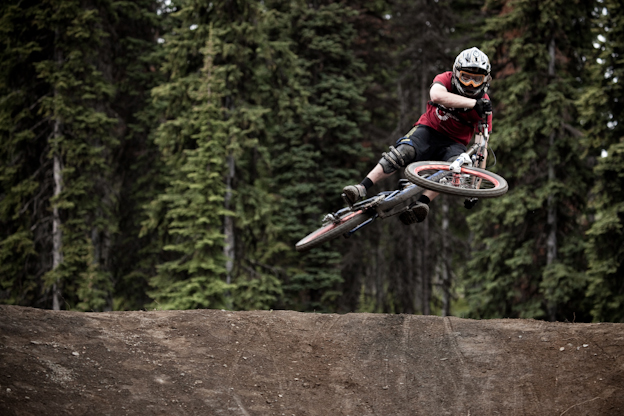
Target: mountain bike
(465, 176)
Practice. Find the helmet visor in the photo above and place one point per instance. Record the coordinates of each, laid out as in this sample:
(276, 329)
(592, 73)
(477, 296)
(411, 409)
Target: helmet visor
(470, 79)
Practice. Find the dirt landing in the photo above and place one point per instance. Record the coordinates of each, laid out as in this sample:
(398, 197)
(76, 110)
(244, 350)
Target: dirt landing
(209, 362)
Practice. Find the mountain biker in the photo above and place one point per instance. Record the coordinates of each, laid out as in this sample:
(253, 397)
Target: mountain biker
(458, 101)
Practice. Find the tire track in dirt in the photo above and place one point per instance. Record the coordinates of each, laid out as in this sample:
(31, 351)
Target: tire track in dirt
(232, 371)
(404, 385)
(458, 376)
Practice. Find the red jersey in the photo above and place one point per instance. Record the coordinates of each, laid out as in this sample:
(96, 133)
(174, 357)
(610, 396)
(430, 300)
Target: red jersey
(447, 123)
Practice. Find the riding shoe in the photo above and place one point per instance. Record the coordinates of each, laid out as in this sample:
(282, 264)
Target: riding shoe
(353, 193)
(417, 213)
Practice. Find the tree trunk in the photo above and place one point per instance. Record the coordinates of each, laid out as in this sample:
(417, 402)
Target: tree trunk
(426, 271)
(57, 233)
(426, 266)
(228, 223)
(379, 280)
(551, 243)
(410, 275)
(445, 269)
(105, 263)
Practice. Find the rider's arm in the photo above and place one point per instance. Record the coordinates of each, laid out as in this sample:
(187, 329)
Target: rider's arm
(440, 95)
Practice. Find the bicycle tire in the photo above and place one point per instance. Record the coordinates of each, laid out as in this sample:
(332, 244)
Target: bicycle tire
(492, 185)
(332, 230)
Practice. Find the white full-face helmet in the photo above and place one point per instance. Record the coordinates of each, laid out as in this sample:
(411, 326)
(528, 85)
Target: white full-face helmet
(471, 73)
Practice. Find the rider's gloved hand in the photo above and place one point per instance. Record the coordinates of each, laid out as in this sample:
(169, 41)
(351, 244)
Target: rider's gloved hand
(483, 107)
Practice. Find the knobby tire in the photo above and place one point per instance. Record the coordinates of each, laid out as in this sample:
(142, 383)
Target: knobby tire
(493, 185)
(332, 230)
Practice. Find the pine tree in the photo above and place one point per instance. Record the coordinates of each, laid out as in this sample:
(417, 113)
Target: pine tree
(602, 113)
(528, 252)
(239, 104)
(21, 154)
(219, 124)
(187, 213)
(135, 170)
(318, 151)
(64, 131)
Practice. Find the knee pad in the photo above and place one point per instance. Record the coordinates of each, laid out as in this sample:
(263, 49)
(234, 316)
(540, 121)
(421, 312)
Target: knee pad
(398, 157)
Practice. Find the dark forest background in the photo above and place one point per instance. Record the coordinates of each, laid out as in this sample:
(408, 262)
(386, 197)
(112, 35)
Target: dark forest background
(169, 154)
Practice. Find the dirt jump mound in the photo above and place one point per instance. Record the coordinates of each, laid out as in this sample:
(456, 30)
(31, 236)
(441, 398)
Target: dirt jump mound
(210, 362)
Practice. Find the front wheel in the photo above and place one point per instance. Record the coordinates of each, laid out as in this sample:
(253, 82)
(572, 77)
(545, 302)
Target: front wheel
(332, 230)
(471, 182)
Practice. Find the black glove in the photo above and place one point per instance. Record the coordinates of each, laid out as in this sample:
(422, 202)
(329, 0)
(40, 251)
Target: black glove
(483, 107)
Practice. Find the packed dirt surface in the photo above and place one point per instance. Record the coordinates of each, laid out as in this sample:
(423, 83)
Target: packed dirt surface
(210, 362)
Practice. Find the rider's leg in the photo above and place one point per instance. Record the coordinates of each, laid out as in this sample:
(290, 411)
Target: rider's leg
(404, 153)
(419, 210)
(378, 173)
(421, 143)
(389, 163)
(430, 194)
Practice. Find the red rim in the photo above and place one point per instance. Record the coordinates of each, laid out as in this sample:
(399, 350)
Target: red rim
(328, 228)
(463, 170)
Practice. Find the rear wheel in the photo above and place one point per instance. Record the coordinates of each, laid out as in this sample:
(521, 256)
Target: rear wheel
(332, 230)
(471, 182)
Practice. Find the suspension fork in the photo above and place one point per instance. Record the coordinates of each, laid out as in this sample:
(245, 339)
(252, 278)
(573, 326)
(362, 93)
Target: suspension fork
(481, 140)
(466, 157)
(477, 153)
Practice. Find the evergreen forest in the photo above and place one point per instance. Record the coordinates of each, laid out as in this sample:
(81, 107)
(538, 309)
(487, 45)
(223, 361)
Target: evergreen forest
(168, 154)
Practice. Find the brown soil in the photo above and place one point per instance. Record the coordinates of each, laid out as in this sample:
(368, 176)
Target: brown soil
(210, 362)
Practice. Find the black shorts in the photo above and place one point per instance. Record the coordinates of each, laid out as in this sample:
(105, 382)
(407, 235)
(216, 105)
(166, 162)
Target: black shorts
(431, 145)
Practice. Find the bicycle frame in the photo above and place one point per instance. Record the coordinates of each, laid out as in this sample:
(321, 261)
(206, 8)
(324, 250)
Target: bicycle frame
(384, 204)
(389, 203)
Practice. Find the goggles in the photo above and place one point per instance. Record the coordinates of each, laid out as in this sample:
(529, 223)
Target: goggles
(468, 78)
